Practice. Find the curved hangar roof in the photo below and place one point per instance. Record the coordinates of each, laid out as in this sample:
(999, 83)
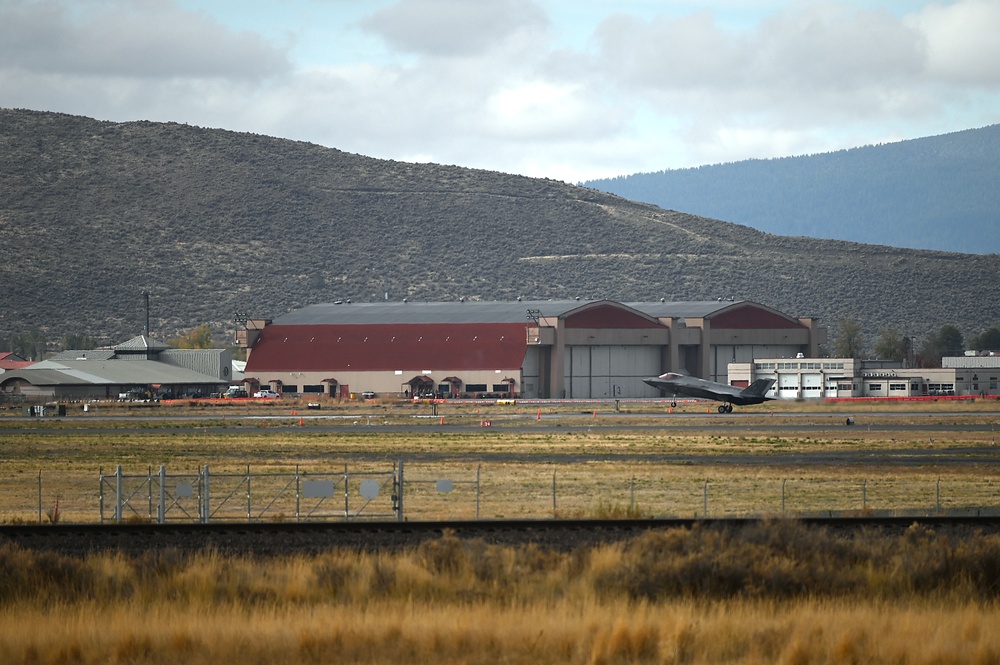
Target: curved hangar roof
(459, 335)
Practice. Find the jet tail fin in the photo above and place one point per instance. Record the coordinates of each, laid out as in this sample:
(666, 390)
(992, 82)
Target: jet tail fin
(758, 388)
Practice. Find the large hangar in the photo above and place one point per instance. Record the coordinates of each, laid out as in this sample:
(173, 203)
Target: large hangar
(538, 349)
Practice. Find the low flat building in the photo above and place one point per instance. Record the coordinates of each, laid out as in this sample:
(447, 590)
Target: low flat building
(976, 373)
(139, 366)
(815, 378)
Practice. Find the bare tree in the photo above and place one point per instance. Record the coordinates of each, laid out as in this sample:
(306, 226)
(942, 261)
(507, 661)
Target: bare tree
(850, 342)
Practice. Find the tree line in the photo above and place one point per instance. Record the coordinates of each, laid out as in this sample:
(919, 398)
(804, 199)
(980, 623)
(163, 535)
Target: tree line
(894, 345)
(849, 343)
(35, 346)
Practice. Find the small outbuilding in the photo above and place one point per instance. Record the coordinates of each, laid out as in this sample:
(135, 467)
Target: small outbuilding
(138, 367)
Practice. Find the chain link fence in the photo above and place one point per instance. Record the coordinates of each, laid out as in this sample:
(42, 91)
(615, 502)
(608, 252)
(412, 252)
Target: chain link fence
(398, 490)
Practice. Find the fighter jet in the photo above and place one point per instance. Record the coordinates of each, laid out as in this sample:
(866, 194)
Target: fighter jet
(690, 386)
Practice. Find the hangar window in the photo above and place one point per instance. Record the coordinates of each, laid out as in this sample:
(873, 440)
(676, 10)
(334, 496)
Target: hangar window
(763, 365)
(475, 387)
(875, 387)
(833, 365)
(501, 387)
(312, 389)
(845, 386)
(289, 389)
(897, 386)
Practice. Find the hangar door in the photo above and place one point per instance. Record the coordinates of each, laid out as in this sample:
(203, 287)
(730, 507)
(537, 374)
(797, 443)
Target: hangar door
(812, 385)
(597, 372)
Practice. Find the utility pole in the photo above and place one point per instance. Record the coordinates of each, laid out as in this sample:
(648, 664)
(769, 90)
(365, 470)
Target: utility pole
(145, 294)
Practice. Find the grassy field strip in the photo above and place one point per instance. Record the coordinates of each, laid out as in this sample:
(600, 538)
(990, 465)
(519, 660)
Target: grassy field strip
(776, 592)
(603, 470)
(512, 490)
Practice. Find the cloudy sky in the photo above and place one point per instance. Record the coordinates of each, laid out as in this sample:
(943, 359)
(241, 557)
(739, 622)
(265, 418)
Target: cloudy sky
(567, 89)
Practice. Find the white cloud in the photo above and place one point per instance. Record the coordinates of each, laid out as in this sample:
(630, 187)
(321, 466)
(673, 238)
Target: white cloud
(963, 41)
(499, 85)
(129, 39)
(452, 27)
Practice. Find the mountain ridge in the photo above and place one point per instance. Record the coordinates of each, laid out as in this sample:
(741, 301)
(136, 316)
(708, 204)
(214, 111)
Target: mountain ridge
(937, 192)
(216, 224)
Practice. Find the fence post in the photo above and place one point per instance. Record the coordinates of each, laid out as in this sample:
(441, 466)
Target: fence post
(937, 496)
(631, 486)
(249, 510)
(478, 488)
(553, 494)
(864, 494)
(161, 512)
(149, 488)
(705, 500)
(399, 491)
(206, 497)
(100, 493)
(298, 495)
(347, 505)
(39, 496)
(118, 494)
(783, 481)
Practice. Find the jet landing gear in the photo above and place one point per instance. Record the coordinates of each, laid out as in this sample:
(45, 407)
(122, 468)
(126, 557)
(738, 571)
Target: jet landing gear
(725, 408)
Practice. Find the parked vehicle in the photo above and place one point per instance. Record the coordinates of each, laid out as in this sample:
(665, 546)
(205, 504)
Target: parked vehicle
(267, 394)
(235, 391)
(368, 394)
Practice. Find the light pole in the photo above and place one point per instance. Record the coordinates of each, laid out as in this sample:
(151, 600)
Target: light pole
(145, 294)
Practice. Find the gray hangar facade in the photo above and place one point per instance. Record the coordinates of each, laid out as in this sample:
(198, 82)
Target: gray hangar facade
(534, 349)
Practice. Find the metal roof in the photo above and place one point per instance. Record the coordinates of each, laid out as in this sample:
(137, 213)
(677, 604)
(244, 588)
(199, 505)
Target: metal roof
(386, 347)
(84, 354)
(695, 309)
(108, 372)
(141, 343)
(474, 311)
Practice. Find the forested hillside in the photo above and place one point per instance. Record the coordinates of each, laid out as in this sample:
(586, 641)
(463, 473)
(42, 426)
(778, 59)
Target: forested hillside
(213, 223)
(932, 193)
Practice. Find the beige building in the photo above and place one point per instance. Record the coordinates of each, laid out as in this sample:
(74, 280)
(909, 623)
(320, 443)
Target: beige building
(814, 378)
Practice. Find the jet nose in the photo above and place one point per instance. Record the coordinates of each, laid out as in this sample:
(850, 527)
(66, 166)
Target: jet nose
(650, 382)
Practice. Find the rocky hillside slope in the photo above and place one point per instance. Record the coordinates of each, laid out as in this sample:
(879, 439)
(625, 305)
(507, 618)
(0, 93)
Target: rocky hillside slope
(212, 223)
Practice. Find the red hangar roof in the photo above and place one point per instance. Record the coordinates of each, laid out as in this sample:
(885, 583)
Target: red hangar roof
(387, 347)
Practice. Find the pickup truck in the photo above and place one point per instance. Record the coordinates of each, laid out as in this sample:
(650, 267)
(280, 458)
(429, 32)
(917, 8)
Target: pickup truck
(266, 393)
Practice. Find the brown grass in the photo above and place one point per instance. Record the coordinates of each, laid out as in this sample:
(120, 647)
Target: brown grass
(601, 470)
(777, 593)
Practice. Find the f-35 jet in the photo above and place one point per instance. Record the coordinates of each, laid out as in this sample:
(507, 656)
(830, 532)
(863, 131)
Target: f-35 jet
(689, 386)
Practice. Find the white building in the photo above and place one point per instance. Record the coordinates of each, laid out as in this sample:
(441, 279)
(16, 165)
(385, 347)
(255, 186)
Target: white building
(815, 378)
(976, 374)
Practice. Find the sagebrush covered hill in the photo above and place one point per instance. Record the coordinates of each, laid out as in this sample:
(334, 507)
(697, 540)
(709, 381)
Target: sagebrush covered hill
(212, 222)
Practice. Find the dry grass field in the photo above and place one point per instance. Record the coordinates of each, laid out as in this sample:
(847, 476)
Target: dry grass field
(790, 459)
(772, 593)
(775, 593)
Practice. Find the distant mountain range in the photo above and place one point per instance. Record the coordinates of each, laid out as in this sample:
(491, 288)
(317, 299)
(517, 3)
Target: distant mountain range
(214, 224)
(941, 192)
